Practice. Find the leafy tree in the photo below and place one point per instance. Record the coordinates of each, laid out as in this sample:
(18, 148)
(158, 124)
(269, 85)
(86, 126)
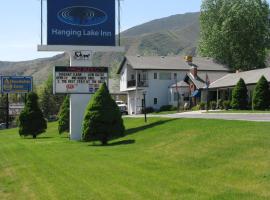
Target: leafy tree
(31, 120)
(261, 95)
(3, 100)
(102, 120)
(239, 96)
(235, 32)
(63, 115)
(50, 103)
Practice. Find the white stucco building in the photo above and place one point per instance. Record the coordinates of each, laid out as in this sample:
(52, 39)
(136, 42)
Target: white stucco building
(161, 77)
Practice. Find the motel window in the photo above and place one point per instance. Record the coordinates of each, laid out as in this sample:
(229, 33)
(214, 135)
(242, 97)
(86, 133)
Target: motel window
(155, 101)
(175, 76)
(155, 75)
(165, 76)
(132, 77)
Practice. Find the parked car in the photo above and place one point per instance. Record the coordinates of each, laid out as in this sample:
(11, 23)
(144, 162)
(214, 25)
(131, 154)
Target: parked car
(2, 125)
(123, 107)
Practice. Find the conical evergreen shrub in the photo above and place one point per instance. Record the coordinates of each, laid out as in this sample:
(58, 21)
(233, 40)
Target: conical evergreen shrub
(261, 95)
(240, 96)
(31, 119)
(63, 116)
(103, 120)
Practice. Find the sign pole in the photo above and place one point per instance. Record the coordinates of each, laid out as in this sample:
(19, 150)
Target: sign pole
(7, 112)
(78, 102)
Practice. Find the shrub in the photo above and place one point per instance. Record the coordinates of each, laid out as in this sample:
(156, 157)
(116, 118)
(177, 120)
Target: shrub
(63, 115)
(195, 108)
(213, 105)
(261, 98)
(220, 104)
(202, 105)
(31, 119)
(166, 108)
(103, 119)
(239, 96)
(226, 105)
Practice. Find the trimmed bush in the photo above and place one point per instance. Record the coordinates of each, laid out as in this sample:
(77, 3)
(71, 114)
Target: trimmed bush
(261, 98)
(213, 105)
(63, 115)
(226, 105)
(239, 96)
(103, 119)
(31, 119)
(166, 108)
(202, 105)
(220, 104)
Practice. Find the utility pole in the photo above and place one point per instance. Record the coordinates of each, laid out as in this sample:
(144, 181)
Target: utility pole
(119, 22)
(41, 22)
(7, 112)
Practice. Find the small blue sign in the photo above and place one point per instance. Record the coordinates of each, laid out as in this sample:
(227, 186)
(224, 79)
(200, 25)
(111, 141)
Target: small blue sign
(16, 84)
(81, 22)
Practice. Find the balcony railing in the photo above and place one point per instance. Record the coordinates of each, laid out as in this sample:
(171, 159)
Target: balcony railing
(132, 83)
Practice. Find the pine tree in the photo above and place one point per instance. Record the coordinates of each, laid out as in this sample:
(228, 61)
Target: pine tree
(239, 96)
(31, 120)
(261, 95)
(103, 120)
(63, 115)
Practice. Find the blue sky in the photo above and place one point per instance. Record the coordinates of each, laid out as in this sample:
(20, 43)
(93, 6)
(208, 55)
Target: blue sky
(20, 22)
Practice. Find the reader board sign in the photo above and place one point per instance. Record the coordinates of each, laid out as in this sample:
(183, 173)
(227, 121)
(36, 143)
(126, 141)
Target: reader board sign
(16, 84)
(79, 80)
(81, 22)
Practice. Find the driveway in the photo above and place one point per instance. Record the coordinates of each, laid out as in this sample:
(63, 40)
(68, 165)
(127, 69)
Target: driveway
(260, 117)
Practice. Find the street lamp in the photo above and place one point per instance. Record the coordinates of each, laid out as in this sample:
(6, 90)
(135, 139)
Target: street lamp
(144, 106)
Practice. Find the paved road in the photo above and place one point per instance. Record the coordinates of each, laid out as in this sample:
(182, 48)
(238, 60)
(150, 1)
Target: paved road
(260, 117)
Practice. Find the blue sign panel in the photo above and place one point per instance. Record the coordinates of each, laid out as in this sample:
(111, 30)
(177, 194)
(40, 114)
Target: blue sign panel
(81, 22)
(16, 84)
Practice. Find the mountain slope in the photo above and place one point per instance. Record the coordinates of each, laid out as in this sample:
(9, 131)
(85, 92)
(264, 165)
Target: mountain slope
(177, 34)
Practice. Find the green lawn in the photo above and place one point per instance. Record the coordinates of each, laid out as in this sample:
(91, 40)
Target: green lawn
(164, 159)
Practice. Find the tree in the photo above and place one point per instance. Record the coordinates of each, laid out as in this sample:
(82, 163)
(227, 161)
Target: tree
(235, 32)
(102, 120)
(239, 96)
(50, 103)
(261, 95)
(63, 115)
(31, 120)
(3, 105)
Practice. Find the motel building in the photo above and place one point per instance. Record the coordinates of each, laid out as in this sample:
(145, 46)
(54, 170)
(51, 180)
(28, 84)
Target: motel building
(161, 79)
(223, 87)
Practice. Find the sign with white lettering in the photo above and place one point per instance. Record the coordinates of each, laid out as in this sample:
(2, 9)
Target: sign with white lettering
(79, 80)
(80, 22)
(16, 84)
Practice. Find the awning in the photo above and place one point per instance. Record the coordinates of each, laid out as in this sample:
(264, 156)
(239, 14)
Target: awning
(196, 93)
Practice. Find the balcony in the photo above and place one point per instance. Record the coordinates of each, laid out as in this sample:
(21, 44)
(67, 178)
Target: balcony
(142, 83)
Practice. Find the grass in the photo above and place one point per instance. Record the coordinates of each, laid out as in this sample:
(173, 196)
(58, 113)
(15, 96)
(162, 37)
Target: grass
(163, 159)
(164, 112)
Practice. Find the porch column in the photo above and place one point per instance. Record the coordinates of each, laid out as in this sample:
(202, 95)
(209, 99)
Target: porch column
(136, 92)
(217, 97)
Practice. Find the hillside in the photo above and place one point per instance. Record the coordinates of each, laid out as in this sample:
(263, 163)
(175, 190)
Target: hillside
(177, 34)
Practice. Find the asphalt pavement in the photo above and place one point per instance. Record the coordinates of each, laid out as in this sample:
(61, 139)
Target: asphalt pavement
(259, 117)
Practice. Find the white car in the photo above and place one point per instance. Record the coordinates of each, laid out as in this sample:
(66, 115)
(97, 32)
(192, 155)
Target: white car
(123, 107)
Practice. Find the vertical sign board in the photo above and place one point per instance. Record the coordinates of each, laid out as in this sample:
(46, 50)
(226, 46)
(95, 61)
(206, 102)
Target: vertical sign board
(81, 22)
(16, 84)
(79, 80)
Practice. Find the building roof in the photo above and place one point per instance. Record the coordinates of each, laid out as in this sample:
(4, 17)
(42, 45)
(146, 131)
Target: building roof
(198, 81)
(180, 84)
(171, 63)
(250, 77)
